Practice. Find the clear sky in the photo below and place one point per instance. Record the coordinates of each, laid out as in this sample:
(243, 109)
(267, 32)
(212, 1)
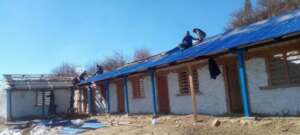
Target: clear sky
(37, 35)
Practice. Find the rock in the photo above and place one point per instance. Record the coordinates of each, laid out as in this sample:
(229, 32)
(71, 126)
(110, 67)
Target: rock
(244, 122)
(154, 121)
(125, 116)
(250, 118)
(216, 123)
(167, 118)
(265, 123)
(179, 126)
(235, 121)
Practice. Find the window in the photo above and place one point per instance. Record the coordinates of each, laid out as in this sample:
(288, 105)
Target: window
(40, 95)
(137, 87)
(183, 80)
(284, 68)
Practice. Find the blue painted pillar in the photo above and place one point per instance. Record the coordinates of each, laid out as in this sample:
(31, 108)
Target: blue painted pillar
(243, 82)
(125, 80)
(90, 100)
(107, 95)
(152, 74)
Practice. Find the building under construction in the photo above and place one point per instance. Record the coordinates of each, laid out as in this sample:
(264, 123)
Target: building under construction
(33, 95)
(258, 74)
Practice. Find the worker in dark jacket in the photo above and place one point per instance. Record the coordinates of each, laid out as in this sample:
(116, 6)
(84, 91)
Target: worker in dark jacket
(99, 70)
(75, 80)
(187, 41)
(83, 76)
(214, 69)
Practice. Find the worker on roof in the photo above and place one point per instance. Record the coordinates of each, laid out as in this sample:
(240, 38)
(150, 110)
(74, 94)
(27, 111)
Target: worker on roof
(99, 70)
(201, 35)
(83, 76)
(187, 41)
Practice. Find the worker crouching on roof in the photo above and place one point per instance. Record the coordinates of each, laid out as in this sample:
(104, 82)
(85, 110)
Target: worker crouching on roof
(188, 40)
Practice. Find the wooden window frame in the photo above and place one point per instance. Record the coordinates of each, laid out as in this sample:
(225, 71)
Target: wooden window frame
(187, 92)
(268, 58)
(138, 89)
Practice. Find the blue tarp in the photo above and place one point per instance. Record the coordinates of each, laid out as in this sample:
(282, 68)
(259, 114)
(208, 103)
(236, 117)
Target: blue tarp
(237, 38)
(71, 131)
(92, 124)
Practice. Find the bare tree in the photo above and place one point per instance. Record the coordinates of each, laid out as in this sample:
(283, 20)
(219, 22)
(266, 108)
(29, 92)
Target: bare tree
(117, 60)
(141, 53)
(269, 8)
(263, 10)
(65, 69)
(108, 63)
(242, 16)
(113, 62)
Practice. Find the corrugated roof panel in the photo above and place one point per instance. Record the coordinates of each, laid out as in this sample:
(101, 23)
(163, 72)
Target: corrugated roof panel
(260, 31)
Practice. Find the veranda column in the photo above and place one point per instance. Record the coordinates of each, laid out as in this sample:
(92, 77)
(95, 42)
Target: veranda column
(243, 82)
(125, 80)
(192, 89)
(153, 87)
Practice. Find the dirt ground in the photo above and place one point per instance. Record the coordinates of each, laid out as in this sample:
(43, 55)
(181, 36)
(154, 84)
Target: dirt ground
(184, 125)
(206, 125)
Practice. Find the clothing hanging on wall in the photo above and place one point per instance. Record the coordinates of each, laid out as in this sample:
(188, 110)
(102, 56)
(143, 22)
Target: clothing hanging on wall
(214, 69)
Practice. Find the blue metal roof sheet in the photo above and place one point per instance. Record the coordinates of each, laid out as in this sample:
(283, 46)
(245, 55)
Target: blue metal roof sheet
(256, 32)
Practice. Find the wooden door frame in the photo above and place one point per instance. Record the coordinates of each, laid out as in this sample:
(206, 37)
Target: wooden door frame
(227, 96)
(119, 90)
(227, 61)
(164, 74)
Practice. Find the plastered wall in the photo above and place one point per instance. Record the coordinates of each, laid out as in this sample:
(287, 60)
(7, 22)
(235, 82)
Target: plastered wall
(141, 105)
(279, 101)
(211, 100)
(23, 103)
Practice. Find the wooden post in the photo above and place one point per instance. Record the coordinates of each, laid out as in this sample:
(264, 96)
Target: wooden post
(72, 94)
(90, 100)
(85, 100)
(80, 101)
(191, 83)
